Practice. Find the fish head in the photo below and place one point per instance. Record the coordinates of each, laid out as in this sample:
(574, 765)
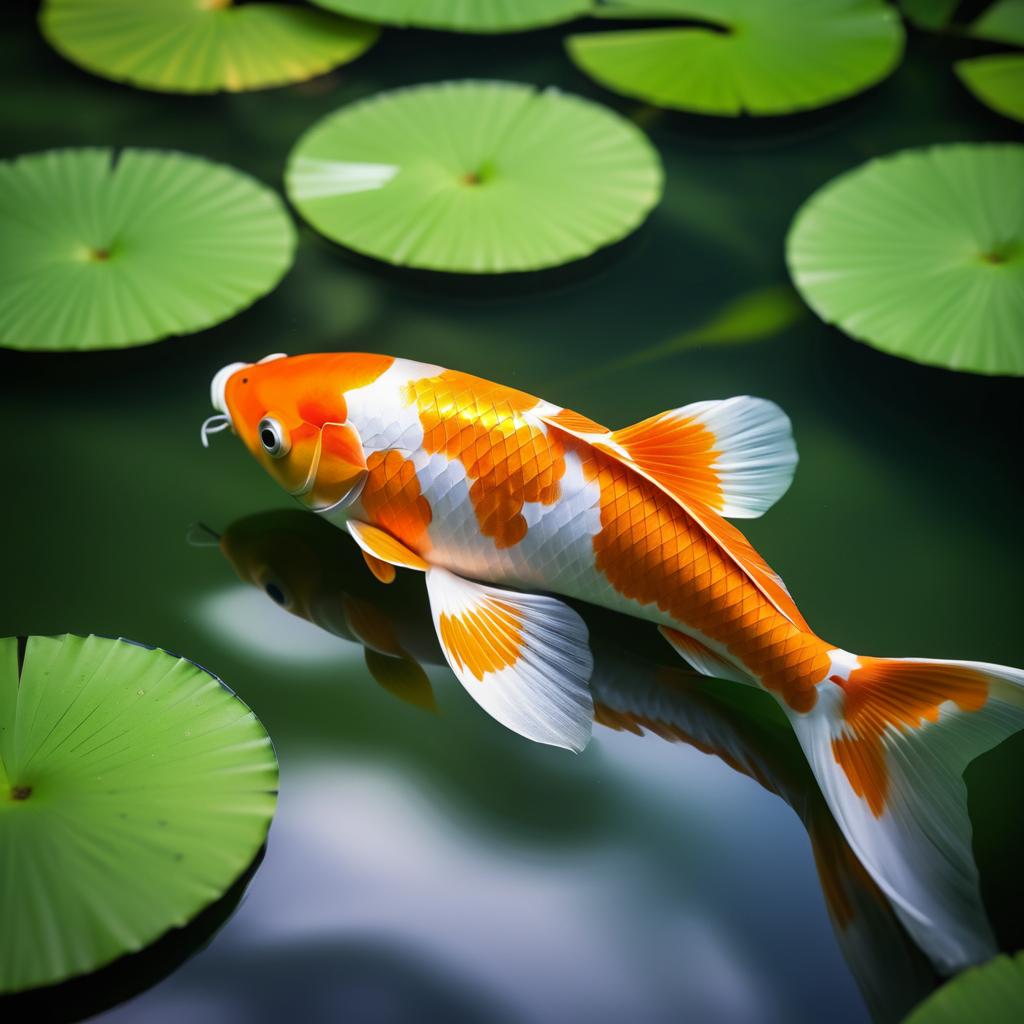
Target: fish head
(292, 415)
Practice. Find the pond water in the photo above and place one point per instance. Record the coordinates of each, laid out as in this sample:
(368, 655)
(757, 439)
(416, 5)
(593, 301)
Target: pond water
(427, 865)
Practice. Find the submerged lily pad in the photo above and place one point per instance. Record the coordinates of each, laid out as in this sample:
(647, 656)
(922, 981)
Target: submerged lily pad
(201, 45)
(929, 14)
(993, 993)
(474, 177)
(134, 790)
(105, 251)
(1002, 22)
(921, 254)
(748, 56)
(997, 80)
(462, 15)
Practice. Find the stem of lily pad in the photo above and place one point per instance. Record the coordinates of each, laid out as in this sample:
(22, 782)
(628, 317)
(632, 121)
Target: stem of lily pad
(21, 792)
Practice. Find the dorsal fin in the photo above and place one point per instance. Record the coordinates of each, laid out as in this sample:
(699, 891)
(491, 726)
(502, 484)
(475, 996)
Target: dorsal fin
(728, 538)
(737, 456)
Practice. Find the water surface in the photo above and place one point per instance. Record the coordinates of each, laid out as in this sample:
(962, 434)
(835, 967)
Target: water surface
(435, 864)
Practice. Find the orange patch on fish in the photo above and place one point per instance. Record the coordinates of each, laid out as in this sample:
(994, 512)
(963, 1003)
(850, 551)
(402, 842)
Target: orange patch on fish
(653, 552)
(303, 388)
(484, 640)
(577, 421)
(393, 500)
(678, 452)
(508, 460)
(900, 695)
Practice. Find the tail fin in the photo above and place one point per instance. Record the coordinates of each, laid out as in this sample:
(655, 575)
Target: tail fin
(888, 741)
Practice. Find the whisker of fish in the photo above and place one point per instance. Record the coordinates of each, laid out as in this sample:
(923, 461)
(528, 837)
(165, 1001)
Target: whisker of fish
(213, 425)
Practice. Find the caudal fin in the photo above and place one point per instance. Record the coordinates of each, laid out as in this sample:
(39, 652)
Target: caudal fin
(888, 741)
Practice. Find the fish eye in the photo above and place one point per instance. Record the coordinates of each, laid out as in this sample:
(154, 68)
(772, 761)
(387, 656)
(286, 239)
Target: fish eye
(272, 437)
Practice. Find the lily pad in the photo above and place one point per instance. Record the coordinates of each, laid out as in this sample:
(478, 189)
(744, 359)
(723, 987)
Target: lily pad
(921, 254)
(202, 46)
(929, 14)
(998, 80)
(1002, 22)
(462, 15)
(474, 177)
(993, 993)
(747, 56)
(135, 788)
(105, 250)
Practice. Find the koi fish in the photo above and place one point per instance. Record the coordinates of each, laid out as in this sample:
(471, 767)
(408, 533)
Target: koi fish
(310, 569)
(503, 500)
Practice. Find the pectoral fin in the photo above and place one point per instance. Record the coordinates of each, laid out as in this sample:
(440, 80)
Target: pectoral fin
(403, 677)
(383, 547)
(523, 658)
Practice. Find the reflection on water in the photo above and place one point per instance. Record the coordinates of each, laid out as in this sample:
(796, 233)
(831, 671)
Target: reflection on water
(314, 571)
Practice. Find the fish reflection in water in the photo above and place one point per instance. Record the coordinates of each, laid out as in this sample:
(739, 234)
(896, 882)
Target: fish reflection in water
(310, 569)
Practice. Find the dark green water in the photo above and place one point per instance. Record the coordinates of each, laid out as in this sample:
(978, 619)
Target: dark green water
(437, 865)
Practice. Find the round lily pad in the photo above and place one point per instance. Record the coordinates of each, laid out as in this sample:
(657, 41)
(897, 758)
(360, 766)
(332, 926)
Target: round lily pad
(462, 15)
(474, 177)
(199, 46)
(135, 788)
(744, 56)
(105, 250)
(921, 254)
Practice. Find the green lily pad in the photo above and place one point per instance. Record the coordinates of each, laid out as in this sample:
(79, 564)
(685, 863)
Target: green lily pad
(1002, 22)
(474, 177)
(993, 993)
(201, 46)
(462, 15)
(103, 251)
(921, 254)
(750, 56)
(929, 14)
(998, 81)
(134, 789)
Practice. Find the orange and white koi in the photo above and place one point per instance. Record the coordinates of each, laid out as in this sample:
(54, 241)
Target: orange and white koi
(501, 499)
